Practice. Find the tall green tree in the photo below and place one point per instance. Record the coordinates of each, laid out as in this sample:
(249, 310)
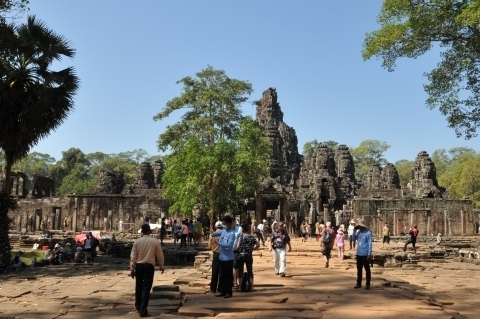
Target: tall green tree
(35, 163)
(404, 169)
(213, 102)
(410, 28)
(369, 152)
(309, 148)
(462, 179)
(70, 158)
(218, 156)
(34, 99)
(442, 161)
(332, 144)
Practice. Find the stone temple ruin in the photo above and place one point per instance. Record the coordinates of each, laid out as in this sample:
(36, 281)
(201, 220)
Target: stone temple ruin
(319, 187)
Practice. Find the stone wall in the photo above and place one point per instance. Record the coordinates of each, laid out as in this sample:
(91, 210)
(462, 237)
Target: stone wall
(452, 217)
(100, 212)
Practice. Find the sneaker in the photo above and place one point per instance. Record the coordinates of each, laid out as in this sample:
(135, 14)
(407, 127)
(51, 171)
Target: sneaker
(220, 295)
(358, 286)
(277, 273)
(367, 287)
(282, 274)
(228, 296)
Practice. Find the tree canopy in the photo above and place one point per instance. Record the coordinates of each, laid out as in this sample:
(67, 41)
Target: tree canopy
(213, 102)
(218, 157)
(410, 28)
(34, 98)
(309, 147)
(367, 153)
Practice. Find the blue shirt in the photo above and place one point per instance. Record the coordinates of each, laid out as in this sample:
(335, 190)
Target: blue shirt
(364, 246)
(227, 239)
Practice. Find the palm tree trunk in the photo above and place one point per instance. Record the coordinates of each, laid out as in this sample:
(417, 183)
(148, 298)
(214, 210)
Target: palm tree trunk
(5, 225)
(7, 172)
(5, 204)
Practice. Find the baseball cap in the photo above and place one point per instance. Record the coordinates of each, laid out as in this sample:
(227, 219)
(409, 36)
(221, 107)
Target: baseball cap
(218, 224)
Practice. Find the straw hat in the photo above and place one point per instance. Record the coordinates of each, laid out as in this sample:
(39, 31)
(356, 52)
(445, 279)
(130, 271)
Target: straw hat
(362, 223)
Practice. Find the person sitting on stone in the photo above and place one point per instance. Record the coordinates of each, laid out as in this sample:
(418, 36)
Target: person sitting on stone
(79, 255)
(57, 254)
(48, 257)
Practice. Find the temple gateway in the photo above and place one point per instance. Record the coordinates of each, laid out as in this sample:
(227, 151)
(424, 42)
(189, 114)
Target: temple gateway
(319, 187)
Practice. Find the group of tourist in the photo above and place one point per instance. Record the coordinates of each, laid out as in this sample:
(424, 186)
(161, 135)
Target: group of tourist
(232, 246)
(187, 232)
(84, 253)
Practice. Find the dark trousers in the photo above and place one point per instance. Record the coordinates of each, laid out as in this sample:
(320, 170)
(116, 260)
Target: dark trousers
(352, 241)
(260, 237)
(246, 260)
(215, 272)
(362, 262)
(183, 240)
(413, 241)
(143, 285)
(226, 276)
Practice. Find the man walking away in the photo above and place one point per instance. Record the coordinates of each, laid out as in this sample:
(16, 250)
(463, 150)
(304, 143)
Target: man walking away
(327, 242)
(386, 235)
(259, 233)
(142, 267)
(364, 253)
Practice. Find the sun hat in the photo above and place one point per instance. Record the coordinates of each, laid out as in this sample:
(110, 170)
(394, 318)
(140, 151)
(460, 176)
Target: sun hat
(218, 224)
(362, 223)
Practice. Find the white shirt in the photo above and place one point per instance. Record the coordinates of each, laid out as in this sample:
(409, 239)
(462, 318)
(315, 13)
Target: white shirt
(260, 227)
(146, 250)
(351, 229)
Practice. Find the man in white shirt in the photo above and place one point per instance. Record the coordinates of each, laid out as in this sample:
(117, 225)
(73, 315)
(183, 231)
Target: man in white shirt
(259, 233)
(145, 251)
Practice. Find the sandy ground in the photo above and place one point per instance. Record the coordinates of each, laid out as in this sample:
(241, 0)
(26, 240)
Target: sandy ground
(309, 290)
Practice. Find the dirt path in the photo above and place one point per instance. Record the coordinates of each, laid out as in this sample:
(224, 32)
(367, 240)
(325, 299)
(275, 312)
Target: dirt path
(309, 290)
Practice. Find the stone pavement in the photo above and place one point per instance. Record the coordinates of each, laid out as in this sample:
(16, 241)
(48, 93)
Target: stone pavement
(309, 290)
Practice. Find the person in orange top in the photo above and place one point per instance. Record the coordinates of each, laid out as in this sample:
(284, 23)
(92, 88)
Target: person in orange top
(145, 251)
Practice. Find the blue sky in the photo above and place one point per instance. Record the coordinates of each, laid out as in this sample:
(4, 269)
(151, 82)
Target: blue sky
(131, 53)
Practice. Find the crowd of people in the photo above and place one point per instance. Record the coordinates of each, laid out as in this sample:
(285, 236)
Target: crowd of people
(232, 245)
(84, 252)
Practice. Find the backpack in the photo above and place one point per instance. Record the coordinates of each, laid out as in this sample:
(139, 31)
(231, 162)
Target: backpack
(415, 232)
(246, 283)
(326, 237)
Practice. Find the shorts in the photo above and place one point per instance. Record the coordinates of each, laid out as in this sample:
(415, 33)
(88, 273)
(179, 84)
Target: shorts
(326, 251)
(386, 239)
(236, 259)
